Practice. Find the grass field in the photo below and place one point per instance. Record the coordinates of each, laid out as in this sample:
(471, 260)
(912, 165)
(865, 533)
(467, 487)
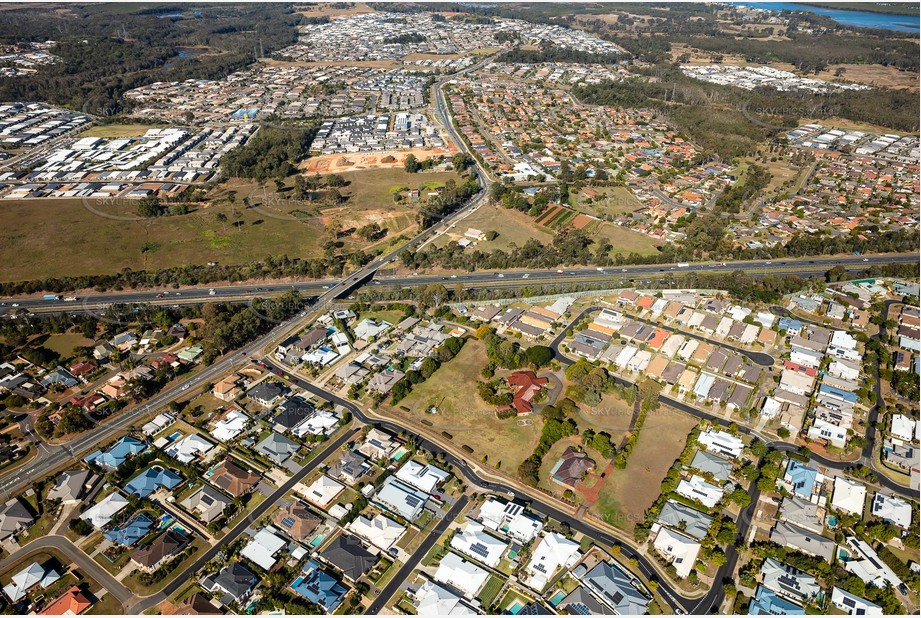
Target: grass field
(64, 344)
(468, 419)
(627, 493)
(514, 228)
(32, 232)
(490, 591)
(623, 240)
(610, 201)
(116, 130)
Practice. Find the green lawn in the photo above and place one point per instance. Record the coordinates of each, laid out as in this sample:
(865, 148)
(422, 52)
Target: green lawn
(490, 591)
(611, 201)
(64, 344)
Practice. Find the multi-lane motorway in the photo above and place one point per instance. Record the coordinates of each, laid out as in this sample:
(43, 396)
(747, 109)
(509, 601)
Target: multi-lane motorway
(803, 267)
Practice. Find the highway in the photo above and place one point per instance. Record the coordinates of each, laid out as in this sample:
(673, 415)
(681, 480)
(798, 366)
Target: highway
(59, 455)
(513, 278)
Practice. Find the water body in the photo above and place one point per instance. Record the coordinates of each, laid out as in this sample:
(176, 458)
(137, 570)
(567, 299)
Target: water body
(857, 19)
(185, 53)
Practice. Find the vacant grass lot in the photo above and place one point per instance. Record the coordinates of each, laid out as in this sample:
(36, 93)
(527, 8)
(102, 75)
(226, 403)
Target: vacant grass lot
(469, 420)
(33, 232)
(610, 201)
(116, 130)
(627, 493)
(623, 240)
(514, 228)
(64, 344)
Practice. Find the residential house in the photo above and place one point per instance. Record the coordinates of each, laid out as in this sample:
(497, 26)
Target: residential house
(296, 520)
(349, 556)
(208, 503)
(163, 549)
(678, 549)
(232, 584)
(465, 577)
(552, 553)
(233, 479)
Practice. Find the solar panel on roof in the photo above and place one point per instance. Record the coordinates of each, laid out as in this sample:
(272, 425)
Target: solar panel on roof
(479, 549)
(579, 609)
(287, 522)
(412, 501)
(618, 597)
(849, 602)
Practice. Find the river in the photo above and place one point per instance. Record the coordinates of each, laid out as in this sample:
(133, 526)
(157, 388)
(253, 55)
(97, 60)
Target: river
(857, 19)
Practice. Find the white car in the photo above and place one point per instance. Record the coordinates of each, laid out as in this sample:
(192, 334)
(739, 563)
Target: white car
(501, 276)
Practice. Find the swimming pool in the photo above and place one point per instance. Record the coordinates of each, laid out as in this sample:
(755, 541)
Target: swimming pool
(399, 453)
(555, 599)
(317, 540)
(175, 436)
(515, 608)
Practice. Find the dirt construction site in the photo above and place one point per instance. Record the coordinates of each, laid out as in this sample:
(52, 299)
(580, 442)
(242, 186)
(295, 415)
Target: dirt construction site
(357, 161)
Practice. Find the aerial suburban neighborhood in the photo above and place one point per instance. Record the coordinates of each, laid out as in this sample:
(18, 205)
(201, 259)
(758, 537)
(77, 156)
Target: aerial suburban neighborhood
(468, 309)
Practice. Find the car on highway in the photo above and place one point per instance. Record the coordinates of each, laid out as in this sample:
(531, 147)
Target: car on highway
(501, 276)
(15, 304)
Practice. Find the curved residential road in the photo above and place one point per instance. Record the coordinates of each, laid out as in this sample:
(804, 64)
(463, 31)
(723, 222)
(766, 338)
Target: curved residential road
(760, 358)
(779, 445)
(702, 604)
(86, 564)
(182, 578)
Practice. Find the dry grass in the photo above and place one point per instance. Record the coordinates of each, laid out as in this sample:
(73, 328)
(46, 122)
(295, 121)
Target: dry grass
(33, 232)
(116, 130)
(465, 417)
(627, 493)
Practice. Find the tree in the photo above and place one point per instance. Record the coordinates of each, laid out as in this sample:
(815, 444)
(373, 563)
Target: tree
(149, 206)
(411, 164)
(539, 356)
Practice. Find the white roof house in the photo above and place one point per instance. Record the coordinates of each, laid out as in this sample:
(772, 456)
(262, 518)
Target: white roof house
(903, 427)
(434, 600)
(101, 514)
(867, 565)
(381, 532)
(190, 447)
(699, 489)
(460, 574)
(823, 430)
(721, 442)
(510, 518)
(263, 548)
(679, 549)
(323, 491)
(473, 541)
(229, 427)
(849, 496)
(160, 422)
(319, 423)
(422, 476)
(552, 553)
(31, 576)
(853, 604)
(891, 509)
(771, 407)
(401, 499)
